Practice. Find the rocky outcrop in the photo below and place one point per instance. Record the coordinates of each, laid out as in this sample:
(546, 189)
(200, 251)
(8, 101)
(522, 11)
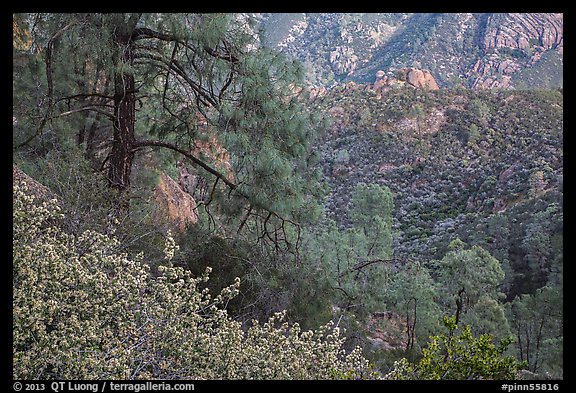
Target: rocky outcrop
(422, 79)
(316, 92)
(411, 77)
(215, 154)
(524, 31)
(343, 60)
(176, 207)
(38, 190)
(513, 42)
(387, 331)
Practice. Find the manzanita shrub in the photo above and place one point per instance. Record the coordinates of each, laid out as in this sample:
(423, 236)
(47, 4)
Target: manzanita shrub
(84, 309)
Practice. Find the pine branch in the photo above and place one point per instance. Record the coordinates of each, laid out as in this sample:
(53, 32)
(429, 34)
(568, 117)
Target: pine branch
(49, 78)
(179, 70)
(361, 265)
(219, 175)
(224, 56)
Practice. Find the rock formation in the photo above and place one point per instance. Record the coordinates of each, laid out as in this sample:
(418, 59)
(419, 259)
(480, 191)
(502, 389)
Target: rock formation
(412, 77)
(523, 31)
(38, 190)
(387, 331)
(478, 50)
(512, 42)
(343, 60)
(175, 205)
(422, 79)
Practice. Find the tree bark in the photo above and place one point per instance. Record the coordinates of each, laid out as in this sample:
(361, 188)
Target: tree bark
(459, 304)
(122, 154)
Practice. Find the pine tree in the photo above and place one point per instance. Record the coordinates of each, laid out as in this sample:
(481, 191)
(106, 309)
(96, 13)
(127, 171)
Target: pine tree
(356, 260)
(412, 295)
(125, 84)
(537, 323)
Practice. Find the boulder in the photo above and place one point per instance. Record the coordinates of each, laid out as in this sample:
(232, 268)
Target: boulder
(414, 77)
(38, 190)
(422, 79)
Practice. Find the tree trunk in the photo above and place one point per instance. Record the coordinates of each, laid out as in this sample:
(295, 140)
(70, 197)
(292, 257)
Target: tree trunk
(459, 304)
(122, 155)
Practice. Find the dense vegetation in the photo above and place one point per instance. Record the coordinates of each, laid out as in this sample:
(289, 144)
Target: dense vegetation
(485, 167)
(377, 244)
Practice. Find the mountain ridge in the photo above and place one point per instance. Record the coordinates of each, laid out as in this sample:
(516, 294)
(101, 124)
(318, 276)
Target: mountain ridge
(473, 50)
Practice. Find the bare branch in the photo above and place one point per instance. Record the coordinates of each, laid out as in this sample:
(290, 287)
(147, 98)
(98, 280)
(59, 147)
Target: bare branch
(345, 293)
(223, 89)
(83, 109)
(360, 265)
(168, 74)
(244, 220)
(224, 56)
(85, 95)
(175, 66)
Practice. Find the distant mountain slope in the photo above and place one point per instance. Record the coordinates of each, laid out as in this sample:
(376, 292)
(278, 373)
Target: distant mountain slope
(476, 50)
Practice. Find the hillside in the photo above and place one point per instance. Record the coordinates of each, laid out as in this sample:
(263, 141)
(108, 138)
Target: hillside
(288, 196)
(478, 165)
(477, 50)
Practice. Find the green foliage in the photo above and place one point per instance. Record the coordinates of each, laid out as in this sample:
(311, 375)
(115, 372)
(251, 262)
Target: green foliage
(342, 157)
(488, 170)
(457, 355)
(412, 295)
(547, 73)
(81, 309)
(488, 316)
(473, 134)
(246, 110)
(344, 256)
(537, 322)
(540, 255)
(371, 213)
(450, 356)
(466, 275)
(479, 108)
(84, 196)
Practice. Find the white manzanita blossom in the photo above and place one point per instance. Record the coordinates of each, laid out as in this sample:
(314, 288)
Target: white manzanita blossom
(82, 310)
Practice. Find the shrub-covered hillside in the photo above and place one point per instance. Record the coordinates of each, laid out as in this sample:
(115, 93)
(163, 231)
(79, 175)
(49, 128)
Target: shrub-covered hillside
(484, 166)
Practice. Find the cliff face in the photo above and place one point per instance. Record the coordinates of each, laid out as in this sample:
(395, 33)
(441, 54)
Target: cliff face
(513, 42)
(175, 205)
(520, 30)
(460, 49)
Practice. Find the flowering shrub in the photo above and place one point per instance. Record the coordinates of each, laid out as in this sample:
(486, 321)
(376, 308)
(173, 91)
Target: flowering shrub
(85, 310)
